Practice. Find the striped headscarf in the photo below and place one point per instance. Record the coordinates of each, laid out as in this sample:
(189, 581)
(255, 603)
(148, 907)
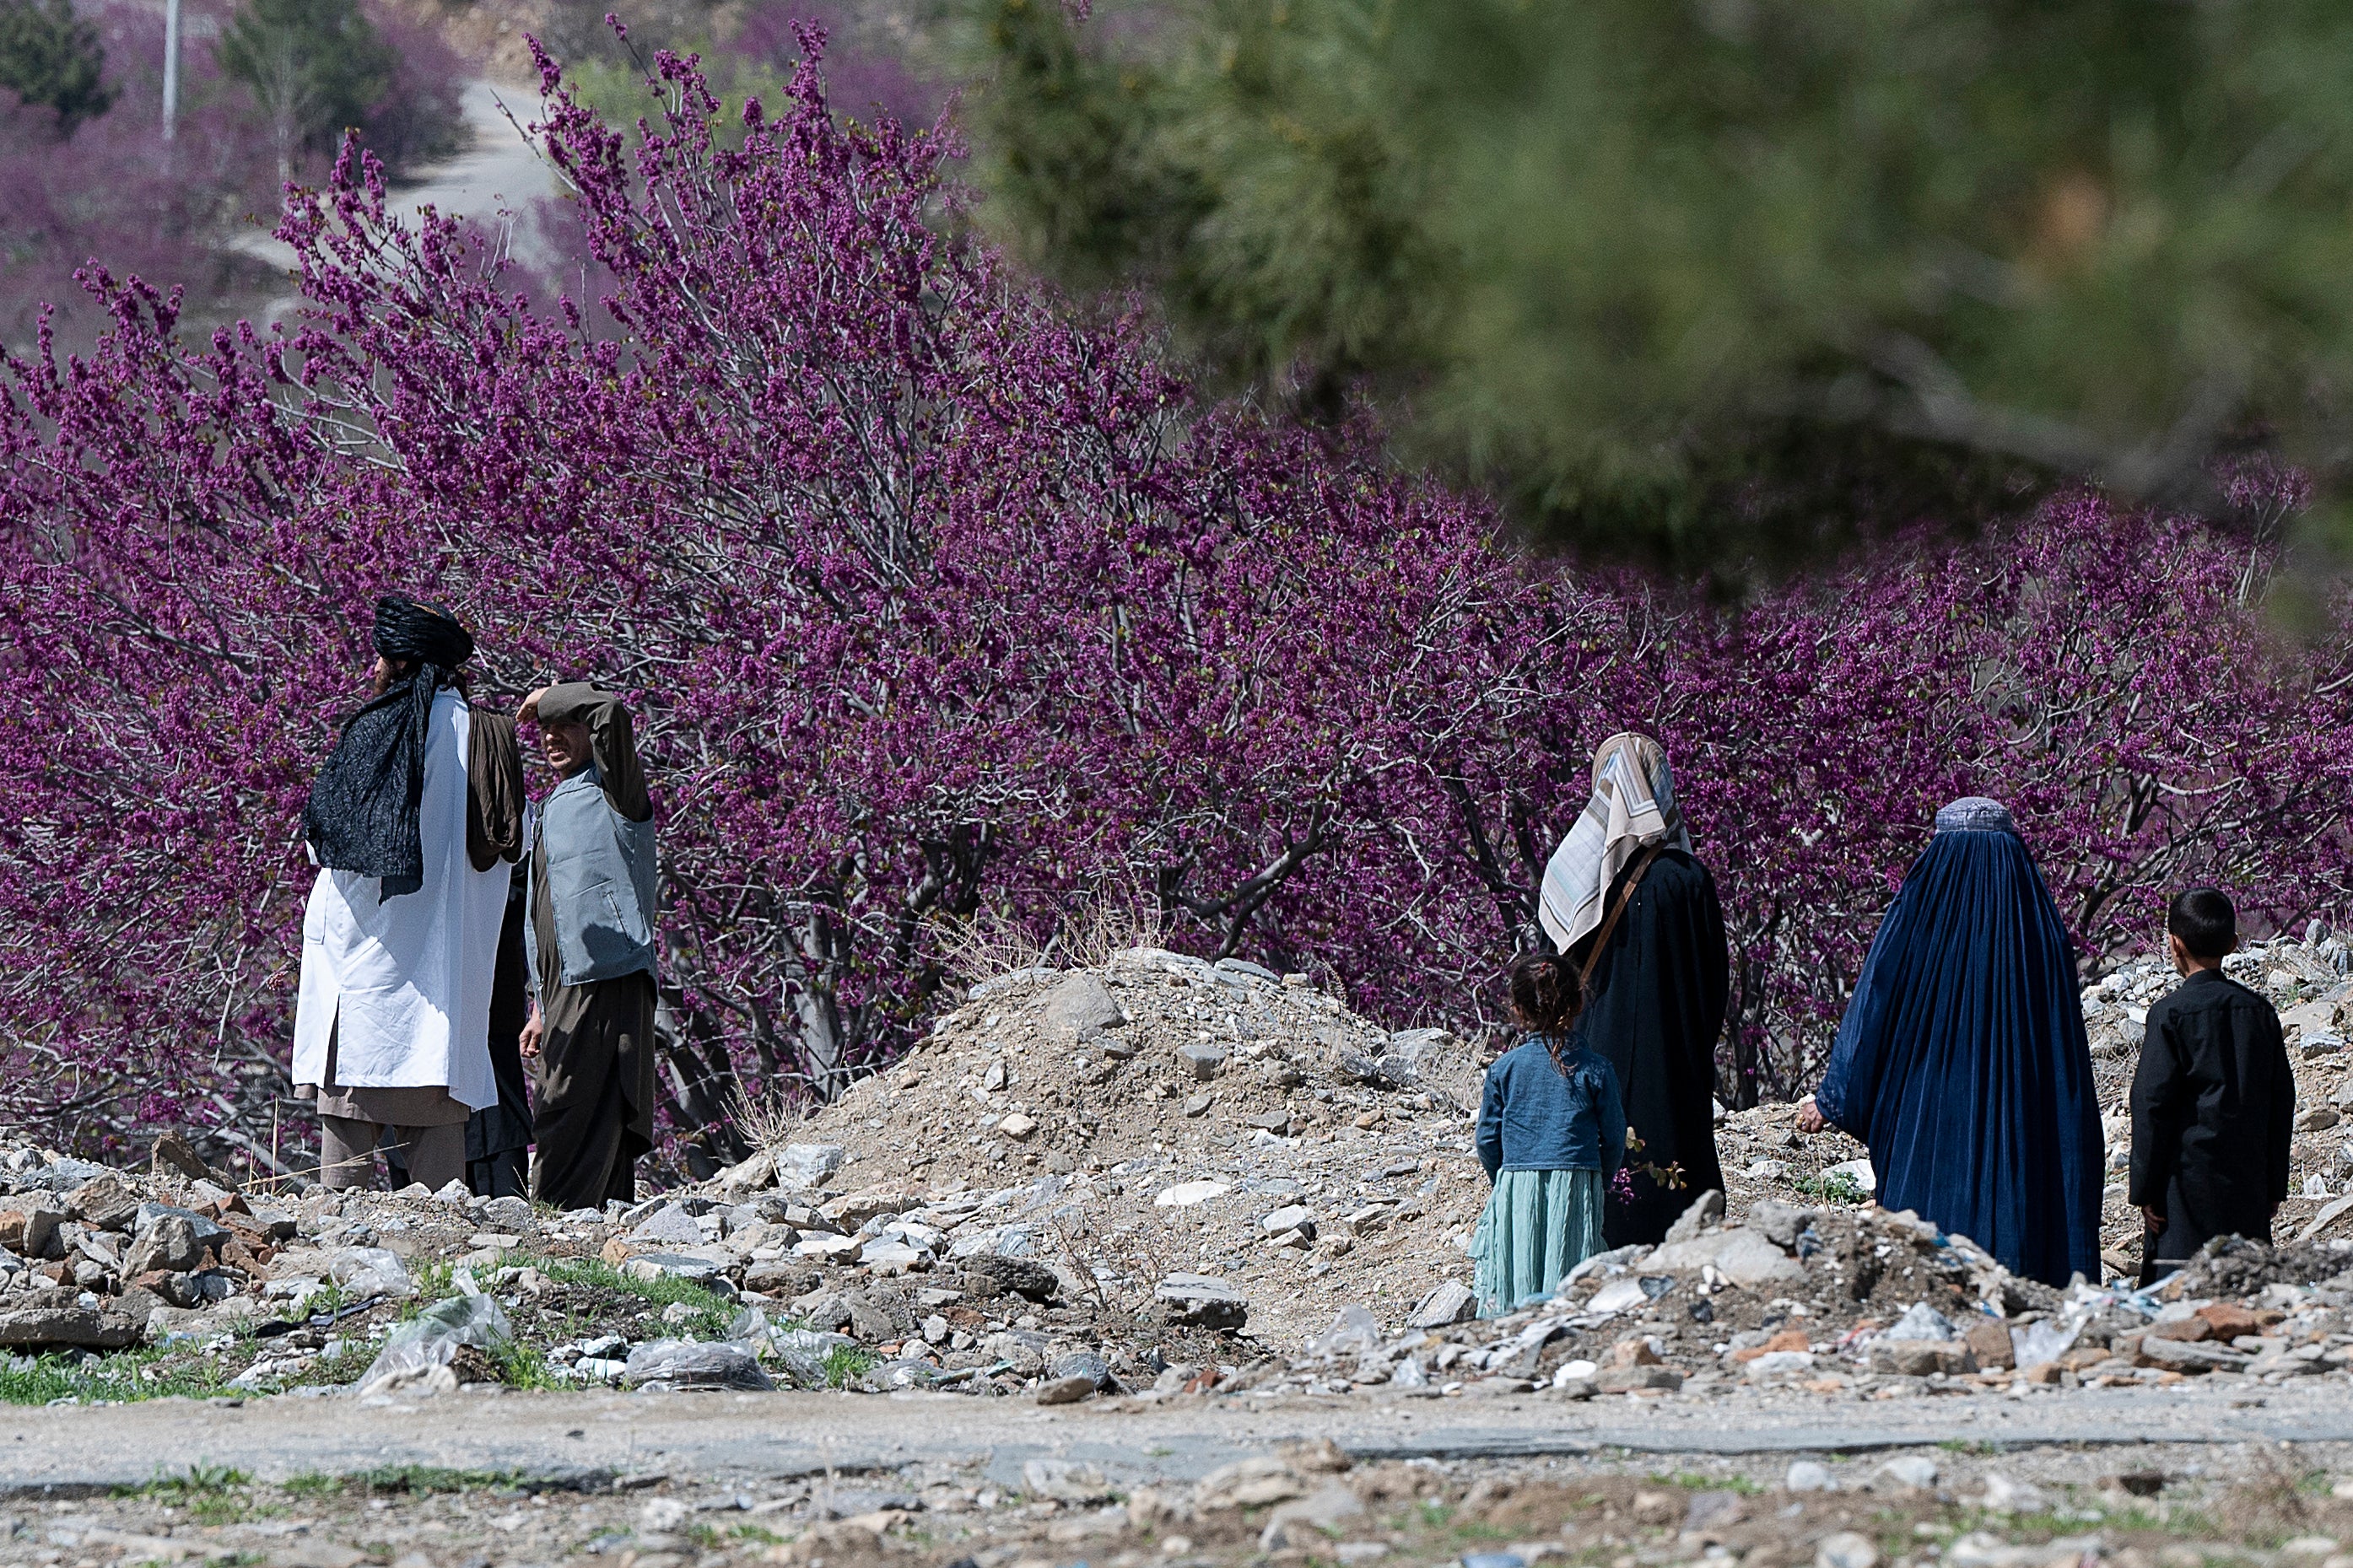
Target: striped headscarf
(1632, 808)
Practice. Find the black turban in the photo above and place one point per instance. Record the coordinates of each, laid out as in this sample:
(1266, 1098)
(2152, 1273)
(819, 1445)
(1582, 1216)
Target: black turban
(420, 634)
(363, 813)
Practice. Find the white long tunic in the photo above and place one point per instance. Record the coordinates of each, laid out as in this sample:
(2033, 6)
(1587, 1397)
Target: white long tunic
(409, 978)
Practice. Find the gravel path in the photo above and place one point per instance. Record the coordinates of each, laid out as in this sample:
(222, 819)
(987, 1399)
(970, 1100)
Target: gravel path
(592, 1439)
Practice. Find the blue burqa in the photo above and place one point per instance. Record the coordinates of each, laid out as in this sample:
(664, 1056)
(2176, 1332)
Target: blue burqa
(1961, 1061)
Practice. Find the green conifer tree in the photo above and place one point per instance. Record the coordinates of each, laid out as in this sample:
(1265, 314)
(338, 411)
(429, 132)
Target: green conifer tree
(1713, 280)
(314, 67)
(51, 57)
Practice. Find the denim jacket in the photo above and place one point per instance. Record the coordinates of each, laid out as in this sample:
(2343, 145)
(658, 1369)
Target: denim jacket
(600, 881)
(1534, 1117)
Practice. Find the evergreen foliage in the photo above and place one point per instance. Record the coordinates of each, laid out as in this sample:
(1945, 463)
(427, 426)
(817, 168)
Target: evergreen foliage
(1710, 281)
(315, 67)
(51, 57)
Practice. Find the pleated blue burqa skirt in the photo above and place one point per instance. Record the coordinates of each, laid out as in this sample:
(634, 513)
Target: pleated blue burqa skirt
(1962, 1062)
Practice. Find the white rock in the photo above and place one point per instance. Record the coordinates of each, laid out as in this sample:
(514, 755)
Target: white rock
(1065, 1481)
(1846, 1550)
(1805, 1476)
(1741, 1255)
(1618, 1295)
(1981, 1549)
(1450, 1302)
(1185, 1194)
(1312, 1520)
(1779, 1364)
(1915, 1470)
(889, 1254)
(1291, 1217)
(2003, 1495)
(806, 1165)
(662, 1513)
(1079, 1005)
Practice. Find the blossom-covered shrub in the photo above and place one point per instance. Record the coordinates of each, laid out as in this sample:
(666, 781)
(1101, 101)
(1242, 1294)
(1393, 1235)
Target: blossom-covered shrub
(938, 606)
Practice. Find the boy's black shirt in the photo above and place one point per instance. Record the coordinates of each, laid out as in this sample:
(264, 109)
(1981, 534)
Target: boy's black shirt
(2213, 1100)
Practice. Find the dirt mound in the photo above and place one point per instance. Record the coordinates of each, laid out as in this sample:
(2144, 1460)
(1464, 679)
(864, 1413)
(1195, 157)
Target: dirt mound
(1160, 1116)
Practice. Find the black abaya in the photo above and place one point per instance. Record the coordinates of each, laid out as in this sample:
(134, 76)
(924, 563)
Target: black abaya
(1655, 1012)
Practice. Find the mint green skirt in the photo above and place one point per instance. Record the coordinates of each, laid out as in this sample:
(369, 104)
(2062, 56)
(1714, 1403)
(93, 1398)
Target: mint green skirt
(1536, 1227)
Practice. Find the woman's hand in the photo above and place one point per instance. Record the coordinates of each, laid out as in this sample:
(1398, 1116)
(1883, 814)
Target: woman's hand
(1810, 1119)
(532, 1034)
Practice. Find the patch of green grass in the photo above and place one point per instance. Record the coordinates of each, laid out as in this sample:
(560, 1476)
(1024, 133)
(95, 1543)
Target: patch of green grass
(1978, 1446)
(1692, 1480)
(1840, 1188)
(212, 1494)
(313, 1484)
(195, 1480)
(524, 1365)
(756, 1535)
(232, 1507)
(714, 1313)
(345, 1366)
(148, 1372)
(847, 1365)
(417, 1481)
(433, 1284)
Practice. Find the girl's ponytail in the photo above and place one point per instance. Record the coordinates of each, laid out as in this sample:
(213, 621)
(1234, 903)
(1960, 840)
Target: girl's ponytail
(1547, 994)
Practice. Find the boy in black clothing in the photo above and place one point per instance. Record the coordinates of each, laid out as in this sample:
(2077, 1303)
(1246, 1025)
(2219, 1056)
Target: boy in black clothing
(2212, 1098)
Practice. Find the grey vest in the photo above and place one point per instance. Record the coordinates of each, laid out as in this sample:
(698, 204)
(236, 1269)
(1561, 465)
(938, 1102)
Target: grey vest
(600, 879)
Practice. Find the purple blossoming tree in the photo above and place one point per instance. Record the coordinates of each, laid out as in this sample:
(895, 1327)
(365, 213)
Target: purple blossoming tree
(936, 606)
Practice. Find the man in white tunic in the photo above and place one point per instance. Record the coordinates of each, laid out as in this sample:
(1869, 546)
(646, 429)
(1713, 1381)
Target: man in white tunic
(400, 939)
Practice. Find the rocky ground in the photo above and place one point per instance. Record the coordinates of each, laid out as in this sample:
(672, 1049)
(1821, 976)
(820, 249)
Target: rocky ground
(1157, 1178)
(1297, 1502)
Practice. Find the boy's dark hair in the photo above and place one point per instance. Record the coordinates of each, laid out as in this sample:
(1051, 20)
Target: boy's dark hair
(2205, 921)
(1547, 993)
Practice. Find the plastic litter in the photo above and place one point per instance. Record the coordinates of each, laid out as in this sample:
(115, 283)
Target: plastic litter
(371, 1271)
(1922, 1321)
(897, 1374)
(753, 1330)
(683, 1363)
(425, 1346)
(2055, 1336)
(1353, 1332)
(812, 1343)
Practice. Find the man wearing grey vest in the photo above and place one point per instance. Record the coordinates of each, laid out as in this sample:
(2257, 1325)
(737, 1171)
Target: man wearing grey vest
(591, 946)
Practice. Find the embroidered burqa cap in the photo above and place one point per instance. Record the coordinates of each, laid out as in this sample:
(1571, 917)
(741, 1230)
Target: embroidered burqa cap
(1962, 1062)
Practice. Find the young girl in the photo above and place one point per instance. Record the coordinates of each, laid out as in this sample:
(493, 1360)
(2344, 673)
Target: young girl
(1551, 1134)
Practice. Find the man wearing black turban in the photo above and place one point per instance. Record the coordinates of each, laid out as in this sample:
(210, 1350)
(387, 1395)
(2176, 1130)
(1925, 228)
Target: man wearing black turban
(415, 822)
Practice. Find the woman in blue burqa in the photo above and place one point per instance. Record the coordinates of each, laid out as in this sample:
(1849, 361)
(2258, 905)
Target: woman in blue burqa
(1962, 1062)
